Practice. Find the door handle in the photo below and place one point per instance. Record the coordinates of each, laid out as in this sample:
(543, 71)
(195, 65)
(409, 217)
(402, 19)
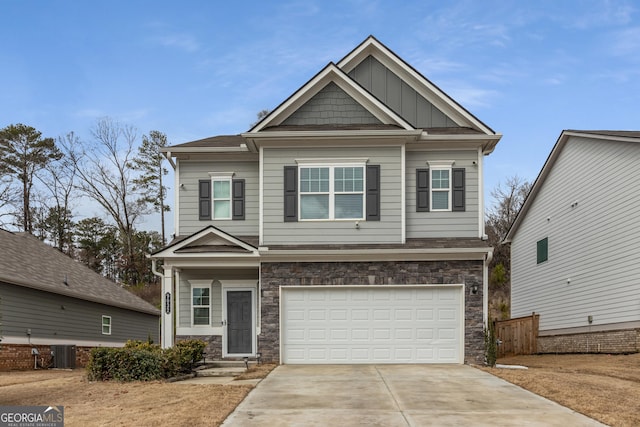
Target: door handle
(223, 323)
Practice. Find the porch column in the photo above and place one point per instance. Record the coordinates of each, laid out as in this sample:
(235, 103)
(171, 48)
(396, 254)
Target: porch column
(168, 307)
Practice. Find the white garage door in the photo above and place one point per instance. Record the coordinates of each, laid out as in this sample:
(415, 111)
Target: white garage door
(372, 325)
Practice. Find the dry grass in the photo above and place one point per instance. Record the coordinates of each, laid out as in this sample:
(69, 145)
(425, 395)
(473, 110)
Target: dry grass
(603, 387)
(257, 371)
(125, 404)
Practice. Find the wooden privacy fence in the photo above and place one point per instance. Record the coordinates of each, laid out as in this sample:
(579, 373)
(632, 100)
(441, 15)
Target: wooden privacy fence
(517, 336)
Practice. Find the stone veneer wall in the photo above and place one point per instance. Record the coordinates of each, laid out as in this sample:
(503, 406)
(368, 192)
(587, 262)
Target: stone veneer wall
(623, 341)
(213, 350)
(274, 275)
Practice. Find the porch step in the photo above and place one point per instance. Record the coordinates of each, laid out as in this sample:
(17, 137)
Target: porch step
(226, 364)
(229, 371)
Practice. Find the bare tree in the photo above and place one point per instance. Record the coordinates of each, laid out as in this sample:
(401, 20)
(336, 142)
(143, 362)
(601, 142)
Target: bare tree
(507, 200)
(60, 185)
(105, 176)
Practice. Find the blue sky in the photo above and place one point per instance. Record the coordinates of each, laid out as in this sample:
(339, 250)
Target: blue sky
(194, 69)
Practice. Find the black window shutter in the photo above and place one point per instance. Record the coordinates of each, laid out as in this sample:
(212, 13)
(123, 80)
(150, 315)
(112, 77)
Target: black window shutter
(373, 193)
(237, 194)
(422, 190)
(458, 190)
(290, 193)
(204, 198)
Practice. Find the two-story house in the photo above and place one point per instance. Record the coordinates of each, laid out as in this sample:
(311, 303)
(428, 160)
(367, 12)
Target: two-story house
(345, 227)
(575, 245)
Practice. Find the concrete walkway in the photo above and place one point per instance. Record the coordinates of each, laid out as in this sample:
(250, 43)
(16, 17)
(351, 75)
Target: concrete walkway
(395, 395)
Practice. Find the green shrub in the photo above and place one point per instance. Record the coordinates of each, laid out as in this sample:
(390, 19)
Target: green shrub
(490, 344)
(187, 353)
(143, 361)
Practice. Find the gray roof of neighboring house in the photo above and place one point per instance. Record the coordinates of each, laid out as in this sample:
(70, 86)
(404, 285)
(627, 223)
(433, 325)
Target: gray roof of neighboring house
(26, 261)
(615, 135)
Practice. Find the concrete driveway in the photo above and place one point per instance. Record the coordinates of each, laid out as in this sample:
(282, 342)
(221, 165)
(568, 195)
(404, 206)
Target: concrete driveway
(395, 395)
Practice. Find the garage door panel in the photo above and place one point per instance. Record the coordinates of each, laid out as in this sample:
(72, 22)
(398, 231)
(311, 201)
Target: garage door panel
(372, 325)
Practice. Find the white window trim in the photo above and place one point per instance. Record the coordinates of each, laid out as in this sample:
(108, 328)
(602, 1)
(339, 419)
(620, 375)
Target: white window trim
(202, 284)
(338, 163)
(441, 165)
(221, 176)
(103, 325)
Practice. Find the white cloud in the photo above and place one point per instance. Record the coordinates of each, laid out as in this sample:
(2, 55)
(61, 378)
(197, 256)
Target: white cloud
(469, 96)
(185, 42)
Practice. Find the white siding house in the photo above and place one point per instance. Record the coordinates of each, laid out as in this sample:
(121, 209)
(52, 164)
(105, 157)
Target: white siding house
(575, 245)
(344, 227)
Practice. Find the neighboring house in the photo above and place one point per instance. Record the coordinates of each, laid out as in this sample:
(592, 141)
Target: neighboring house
(575, 245)
(344, 227)
(48, 299)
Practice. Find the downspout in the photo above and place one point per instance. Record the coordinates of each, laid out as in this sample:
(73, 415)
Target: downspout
(163, 314)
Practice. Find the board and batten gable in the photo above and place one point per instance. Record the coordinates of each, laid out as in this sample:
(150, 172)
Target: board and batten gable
(398, 95)
(58, 319)
(586, 211)
(387, 230)
(444, 224)
(190, 172)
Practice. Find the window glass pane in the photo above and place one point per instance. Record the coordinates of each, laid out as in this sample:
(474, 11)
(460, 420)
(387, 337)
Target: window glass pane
(348, 180)
(348, 206)
(440, 200)
(200, 316)
(221, 189)
(440, 179)
(314, 206)
(314, 180)
(542, 247)
(221, 209)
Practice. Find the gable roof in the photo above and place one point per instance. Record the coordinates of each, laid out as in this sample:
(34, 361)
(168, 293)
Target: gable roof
(210, 240)
(425, 87)
(28, 262)
(603, 135)
(330, 74)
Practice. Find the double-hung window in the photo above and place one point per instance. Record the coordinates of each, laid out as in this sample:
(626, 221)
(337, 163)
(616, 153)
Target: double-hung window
(440, 189)
(332, 192)
(221, 198)
(201, 305)
(106, 325)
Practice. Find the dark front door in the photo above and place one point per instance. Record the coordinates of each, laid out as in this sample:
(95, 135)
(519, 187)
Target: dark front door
(239, 320)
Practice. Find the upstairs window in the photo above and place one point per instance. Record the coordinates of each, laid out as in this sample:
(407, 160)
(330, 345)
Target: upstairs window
(440, 189)
(332, 192)
(542, 250)
(221, 198)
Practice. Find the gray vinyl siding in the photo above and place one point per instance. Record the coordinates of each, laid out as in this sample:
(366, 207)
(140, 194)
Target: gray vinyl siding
(215, 275)
(331, 105)
(192, 171)
(398, 95)
(387, 230)
(53, 316)
(595, 244)
(443, 224)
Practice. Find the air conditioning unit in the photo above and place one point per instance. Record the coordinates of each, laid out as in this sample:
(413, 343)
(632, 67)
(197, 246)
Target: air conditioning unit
(64, 356)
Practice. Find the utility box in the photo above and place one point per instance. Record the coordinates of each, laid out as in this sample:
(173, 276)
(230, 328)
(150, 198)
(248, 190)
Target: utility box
(64, 356)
